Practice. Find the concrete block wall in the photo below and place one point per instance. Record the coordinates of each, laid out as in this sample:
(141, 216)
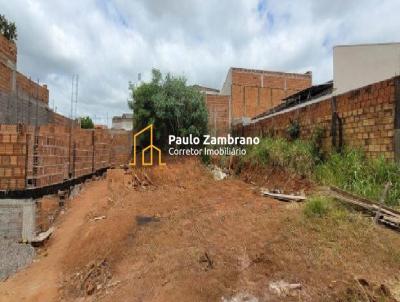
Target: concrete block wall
(23, 109)
(367, 119)
(18, 219)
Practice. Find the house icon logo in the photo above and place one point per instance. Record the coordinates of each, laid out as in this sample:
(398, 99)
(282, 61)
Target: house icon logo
(150, 148)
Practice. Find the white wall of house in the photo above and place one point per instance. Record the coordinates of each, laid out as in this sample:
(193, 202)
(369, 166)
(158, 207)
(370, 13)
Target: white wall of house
(355, 66)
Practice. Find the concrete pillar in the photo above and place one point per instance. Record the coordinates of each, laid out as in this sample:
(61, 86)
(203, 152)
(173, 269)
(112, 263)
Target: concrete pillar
(18, 219)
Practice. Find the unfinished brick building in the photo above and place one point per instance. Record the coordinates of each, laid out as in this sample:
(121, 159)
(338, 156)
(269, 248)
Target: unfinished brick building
(21, 99)
(249, 92)
(40, 148)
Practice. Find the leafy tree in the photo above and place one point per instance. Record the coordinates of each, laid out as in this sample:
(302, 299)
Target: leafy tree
(171, 105)
(8, 29)
(87, 123)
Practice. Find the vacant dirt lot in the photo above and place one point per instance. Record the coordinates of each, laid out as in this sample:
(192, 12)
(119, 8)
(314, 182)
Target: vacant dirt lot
(182, 236)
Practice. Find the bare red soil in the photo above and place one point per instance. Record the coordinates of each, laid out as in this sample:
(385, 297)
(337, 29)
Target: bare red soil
(179, 235)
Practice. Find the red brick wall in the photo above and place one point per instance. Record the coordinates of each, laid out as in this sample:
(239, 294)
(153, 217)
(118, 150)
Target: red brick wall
(30, 87)
(367, 115)
(218, 114)
(8, 59)
(5, 78)
(32, 158)
(8, 50)
(254, 92)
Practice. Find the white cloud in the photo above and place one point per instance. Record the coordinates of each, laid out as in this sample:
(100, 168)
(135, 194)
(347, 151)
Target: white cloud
(108, 42)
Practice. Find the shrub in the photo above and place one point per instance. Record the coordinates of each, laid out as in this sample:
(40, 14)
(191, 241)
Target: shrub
(171, 105)
(293, 129)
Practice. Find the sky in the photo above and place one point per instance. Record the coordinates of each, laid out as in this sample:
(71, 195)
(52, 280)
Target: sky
(109, 42)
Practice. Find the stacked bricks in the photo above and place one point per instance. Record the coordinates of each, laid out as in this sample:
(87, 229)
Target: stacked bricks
(48, 157)
(102, 148)
(120, 152)
(12, 157)
(367, 115)
(83, 156)
(218, 114)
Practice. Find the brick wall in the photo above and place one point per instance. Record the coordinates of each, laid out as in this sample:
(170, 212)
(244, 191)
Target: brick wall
(8, 50)
(5, 78)
(254, 92)
(32, 157)
(15, 84)
(22, 109)
(29, 87)
(366, 115)
(218, 114)
(13, 144)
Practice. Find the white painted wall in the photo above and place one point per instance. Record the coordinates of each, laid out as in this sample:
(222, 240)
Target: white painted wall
(355, 66)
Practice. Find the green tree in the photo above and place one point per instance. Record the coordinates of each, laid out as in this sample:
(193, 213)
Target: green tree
(8, 29)
(171, 105)
(87, 123)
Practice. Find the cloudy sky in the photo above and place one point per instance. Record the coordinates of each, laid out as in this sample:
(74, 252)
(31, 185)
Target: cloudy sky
(108, 42)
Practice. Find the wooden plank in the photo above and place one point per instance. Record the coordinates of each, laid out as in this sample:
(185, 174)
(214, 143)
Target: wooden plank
(283, 197)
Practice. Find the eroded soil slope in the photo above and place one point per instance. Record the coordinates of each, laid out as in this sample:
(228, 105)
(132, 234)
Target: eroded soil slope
(174, 234)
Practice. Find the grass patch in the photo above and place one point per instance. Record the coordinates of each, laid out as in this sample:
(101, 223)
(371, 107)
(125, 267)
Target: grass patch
(317, 207)
(296, 156)
(350, 170)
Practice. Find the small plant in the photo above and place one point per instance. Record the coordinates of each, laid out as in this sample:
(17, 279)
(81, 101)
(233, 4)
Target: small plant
(293, 129)
(316, 143)
(205, 159)
(8, 29)
(317, 207)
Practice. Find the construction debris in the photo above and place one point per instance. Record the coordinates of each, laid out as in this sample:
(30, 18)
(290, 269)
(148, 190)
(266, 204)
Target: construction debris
(283, 288)
(42, 237)
(241, 297)
(283, 197)
(140, 183)
(205, 258)
(378, 210)
(94, 277)
(217, 173)
(99, 218)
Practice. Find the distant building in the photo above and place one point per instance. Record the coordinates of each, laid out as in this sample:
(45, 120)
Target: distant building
(206, 90)
(124, 122)
(247, 93)
(98, 126)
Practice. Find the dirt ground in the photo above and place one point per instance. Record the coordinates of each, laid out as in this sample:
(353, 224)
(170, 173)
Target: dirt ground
(176, 234)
